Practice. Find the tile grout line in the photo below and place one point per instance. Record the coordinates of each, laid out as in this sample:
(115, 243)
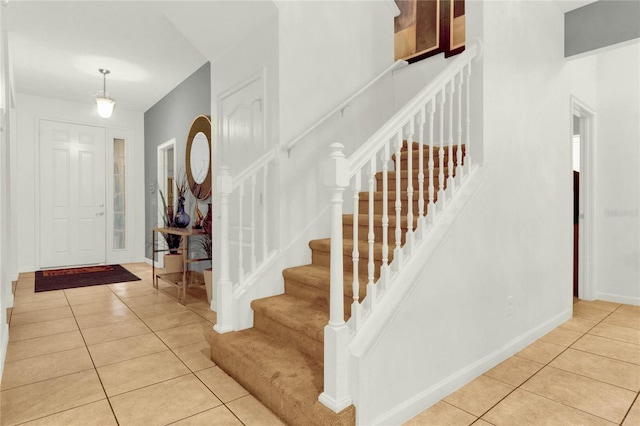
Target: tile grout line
(636, 399)
(92, 361)
(191, 372)
(547, 365)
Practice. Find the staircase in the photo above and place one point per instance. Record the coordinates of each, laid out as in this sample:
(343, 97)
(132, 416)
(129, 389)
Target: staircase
(280, 359)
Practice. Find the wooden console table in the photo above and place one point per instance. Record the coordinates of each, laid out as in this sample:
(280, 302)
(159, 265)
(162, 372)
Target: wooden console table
(179, 279)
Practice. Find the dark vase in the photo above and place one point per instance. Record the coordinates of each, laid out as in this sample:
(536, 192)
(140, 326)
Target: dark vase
(182, 219)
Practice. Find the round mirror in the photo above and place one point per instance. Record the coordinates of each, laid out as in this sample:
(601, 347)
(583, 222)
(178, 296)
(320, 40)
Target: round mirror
(198, 158)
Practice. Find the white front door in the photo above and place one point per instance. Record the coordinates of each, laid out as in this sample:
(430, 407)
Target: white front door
(72, 194)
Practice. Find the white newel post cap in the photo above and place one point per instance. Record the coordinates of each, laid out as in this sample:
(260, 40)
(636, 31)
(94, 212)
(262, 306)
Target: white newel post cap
(336, 168)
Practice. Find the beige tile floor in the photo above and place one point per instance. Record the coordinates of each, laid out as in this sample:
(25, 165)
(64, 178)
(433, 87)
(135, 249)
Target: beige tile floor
(124, 354)
(585, 372)
(129, 354)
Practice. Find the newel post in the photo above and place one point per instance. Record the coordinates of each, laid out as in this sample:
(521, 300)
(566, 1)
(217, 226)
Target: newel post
(336, 332)
(224, 289)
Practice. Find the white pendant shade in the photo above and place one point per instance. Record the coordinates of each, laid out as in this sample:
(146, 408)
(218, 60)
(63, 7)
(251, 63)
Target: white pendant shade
(103, 101)
(105, 106)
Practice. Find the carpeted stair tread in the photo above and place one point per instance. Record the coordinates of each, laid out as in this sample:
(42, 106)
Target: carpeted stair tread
(363, 220)
(282, 378)
(415, 146)
(297, 314)
(318, 276)
(324, 245)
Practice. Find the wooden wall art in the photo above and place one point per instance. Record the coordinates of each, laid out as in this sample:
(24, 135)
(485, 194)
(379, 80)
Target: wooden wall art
(427, 27)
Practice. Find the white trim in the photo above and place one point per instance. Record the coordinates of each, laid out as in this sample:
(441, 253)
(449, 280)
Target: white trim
(586, 226)
(161, 173)
(617, 298)
(393, 7)
(423, 400)
(4, 335)
(125, 255)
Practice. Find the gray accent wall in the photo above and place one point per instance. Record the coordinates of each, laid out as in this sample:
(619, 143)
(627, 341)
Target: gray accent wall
(169, 118)
(600, 24)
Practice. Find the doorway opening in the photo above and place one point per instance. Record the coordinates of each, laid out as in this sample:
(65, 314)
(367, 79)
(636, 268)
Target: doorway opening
(576, 201)
(166, 175)
(582, 146)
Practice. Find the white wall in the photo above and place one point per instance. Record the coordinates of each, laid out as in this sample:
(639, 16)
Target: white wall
(504, 276)
(6, 192)
(29, 110)
(617, 164)
(328, 50)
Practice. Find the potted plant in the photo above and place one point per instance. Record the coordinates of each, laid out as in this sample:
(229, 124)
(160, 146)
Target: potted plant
(206, 245)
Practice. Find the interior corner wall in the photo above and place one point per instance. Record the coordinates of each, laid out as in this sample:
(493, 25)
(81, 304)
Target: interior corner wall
(169, 118)
(617, 175)
(29, 109)
(503, 277)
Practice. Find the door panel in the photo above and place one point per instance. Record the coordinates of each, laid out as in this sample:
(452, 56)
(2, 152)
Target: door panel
(242, 132)
(72, 194)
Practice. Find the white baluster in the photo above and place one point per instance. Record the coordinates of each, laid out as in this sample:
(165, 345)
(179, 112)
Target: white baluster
(355, 306)
(371, 288)
(431, 211)
(421, 204)
(253, 222)
(459, 158)
(224, 287)
(409, 238)
(384, 269)
(467, 78)
(264, 201)
(397, 252)
(336, 333)
(441, 152)
(240, 234)
(450, 171)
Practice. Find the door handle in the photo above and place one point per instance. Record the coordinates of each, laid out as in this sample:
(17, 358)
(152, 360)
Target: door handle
(100, 214)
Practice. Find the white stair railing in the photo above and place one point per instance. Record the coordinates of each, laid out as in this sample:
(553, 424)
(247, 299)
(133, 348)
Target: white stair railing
(244, 244)
(441, 104)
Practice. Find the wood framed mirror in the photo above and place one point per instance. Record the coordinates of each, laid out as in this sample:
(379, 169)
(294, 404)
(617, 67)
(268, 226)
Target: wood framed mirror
(198, 157)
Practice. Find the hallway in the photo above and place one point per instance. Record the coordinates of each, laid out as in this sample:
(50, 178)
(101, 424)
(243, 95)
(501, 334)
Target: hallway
(129, 354)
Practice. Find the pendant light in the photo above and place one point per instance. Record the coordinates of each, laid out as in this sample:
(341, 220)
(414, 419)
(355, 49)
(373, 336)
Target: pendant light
(103, 101)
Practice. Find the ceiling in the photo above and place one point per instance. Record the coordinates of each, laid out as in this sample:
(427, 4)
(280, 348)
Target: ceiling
(569, 5)
(150, 47)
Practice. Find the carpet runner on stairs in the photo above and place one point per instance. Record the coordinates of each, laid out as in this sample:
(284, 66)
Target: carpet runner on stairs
(280, 359)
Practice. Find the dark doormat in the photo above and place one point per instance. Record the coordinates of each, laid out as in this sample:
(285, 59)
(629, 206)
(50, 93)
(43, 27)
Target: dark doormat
(60, 279)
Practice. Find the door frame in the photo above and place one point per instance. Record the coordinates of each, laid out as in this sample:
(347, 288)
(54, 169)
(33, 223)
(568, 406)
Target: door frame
(38, 159)
(587, 198)
(161, 176)
(127, 255)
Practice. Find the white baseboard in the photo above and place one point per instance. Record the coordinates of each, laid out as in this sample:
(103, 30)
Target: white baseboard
(4, 342)
(617, 298)
(423, 400)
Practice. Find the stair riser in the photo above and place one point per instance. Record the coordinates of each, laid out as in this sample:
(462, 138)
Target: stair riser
(287, 336)
(316, 295)
(323, 258)
(404, 183)
(415, 162)
(377, 207)
(363, 232)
